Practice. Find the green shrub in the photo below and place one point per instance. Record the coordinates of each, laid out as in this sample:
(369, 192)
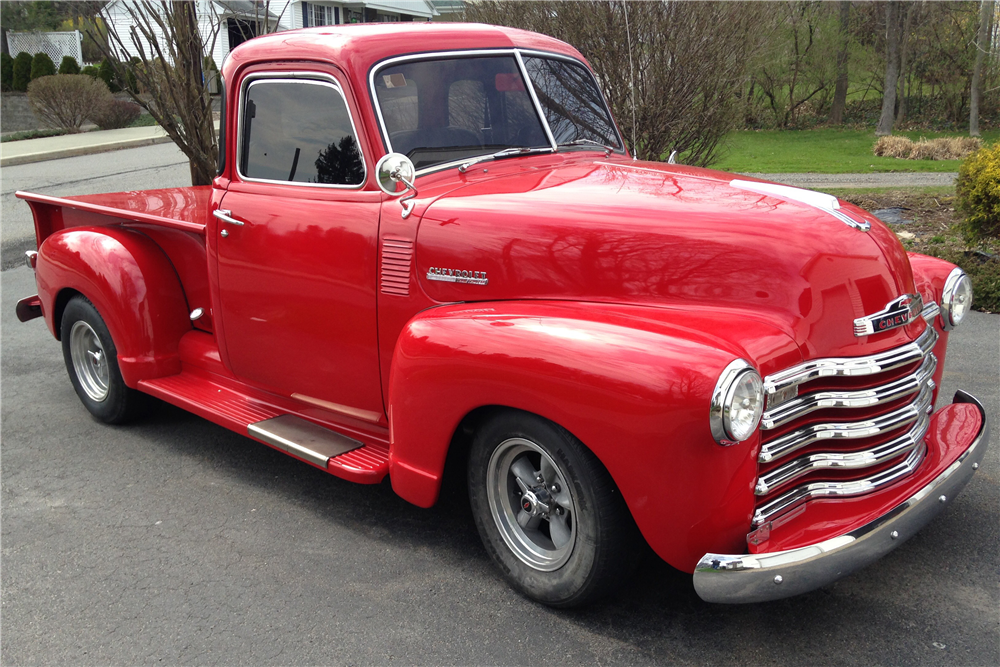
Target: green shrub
(90, 70)
(107, 74)
(130, 81)
(984, 272)
(69, 65)
(21, 72)
(978, 190)
(67, 100)
(42, 65)
(6, 72)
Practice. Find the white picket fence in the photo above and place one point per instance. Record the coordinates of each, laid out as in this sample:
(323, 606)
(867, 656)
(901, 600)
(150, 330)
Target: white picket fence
(53, 44)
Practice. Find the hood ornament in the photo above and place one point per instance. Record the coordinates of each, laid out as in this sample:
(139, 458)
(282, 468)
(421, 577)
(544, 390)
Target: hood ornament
(896, 313)
(821, 200)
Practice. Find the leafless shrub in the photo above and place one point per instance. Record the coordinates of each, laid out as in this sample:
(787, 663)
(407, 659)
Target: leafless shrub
(942, 148)
(945, 148)
(67, 100)
(682, 64)
(893, 146)
(117, 114)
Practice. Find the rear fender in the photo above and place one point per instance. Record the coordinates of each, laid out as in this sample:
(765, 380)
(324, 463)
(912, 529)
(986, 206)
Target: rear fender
(132, 284)
(632, 386)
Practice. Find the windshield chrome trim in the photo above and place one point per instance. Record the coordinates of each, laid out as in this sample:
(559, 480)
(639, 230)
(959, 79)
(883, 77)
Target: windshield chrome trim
(317, 78)
(477, 53)
(534, 98)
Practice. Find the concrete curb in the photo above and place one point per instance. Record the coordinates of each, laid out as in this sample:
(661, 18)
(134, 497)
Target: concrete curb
(74, 151)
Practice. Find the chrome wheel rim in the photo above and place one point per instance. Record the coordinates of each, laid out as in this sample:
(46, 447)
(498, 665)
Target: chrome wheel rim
(90, 362)
(532, 504)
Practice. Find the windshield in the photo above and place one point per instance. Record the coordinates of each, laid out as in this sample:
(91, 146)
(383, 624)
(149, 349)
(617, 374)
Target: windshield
(450, 109)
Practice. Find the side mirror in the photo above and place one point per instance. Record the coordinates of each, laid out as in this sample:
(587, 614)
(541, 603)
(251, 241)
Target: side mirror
(390, 171)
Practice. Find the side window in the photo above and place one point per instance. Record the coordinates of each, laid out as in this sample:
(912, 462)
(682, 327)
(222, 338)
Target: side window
(299, 131)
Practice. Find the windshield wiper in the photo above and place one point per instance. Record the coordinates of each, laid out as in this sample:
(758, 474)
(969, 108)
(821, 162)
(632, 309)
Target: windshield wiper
(590, 142)
(499, 155)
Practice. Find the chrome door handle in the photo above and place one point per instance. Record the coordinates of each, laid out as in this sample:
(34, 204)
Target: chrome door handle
(223, 214)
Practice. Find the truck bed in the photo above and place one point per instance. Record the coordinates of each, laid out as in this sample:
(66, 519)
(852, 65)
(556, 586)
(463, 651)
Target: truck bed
(184, 209)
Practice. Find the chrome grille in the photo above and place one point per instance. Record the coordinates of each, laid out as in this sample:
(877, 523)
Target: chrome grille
(857, 424)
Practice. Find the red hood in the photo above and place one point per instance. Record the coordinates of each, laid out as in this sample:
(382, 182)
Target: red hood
(612, 230)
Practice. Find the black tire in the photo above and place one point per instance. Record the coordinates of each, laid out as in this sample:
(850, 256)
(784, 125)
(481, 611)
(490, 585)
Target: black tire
(92, 363)
(595, 545)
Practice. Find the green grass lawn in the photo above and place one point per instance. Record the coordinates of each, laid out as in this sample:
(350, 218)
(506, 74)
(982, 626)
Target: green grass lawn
(823, 151)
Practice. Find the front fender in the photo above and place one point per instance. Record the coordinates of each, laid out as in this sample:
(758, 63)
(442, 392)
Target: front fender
(132, 284)
(631, 385)
(929, 276)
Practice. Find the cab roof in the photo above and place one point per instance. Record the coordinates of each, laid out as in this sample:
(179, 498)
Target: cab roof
(357, 47)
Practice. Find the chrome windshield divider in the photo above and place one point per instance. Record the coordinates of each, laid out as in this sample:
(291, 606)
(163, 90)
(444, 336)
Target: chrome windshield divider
(534, 98)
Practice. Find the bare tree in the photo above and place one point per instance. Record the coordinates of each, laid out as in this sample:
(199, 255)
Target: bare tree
(893, 28)
(909, 13)
(170, 84)
(678, 67)
(840, 93)
(982, 47)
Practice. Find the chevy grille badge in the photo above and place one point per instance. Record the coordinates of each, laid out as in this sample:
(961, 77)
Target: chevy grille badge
(457, 276)
(896, 313)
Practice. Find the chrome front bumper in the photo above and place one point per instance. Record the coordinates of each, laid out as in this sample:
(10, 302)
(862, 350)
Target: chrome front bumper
(731, 578)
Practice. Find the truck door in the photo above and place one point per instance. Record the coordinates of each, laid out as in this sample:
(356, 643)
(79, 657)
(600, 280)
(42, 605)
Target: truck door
(297, 239)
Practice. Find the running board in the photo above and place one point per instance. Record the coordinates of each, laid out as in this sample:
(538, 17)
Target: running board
(303, 439)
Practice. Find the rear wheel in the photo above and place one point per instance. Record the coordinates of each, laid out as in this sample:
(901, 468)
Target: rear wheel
(548, 512)
(92, 362)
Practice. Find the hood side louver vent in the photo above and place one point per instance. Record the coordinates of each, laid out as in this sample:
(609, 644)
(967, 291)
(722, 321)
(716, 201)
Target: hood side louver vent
(397, 260)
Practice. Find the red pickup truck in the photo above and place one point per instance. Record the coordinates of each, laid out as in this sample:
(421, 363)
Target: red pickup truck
(428, 244)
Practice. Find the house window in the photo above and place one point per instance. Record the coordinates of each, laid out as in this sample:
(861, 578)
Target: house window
(299, 131)
(387, 18)
(351, 16)
(321, 15)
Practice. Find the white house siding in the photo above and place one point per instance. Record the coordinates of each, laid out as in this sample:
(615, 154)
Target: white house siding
(415, 8)
(212, 20)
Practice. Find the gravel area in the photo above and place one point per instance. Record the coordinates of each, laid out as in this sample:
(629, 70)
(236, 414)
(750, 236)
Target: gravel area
(903, 180)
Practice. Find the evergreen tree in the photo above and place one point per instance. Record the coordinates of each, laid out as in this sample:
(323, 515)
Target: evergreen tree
(42, 65)
(69, 65)
(21, 72)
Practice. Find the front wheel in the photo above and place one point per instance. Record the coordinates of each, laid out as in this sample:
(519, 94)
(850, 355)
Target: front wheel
(548, 512)
(92, 363)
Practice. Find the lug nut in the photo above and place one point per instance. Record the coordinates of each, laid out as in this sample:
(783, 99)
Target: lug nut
(554, 488)
(778, 579)
(894, 534)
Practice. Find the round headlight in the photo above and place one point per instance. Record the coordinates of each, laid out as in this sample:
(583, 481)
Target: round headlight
(737, 403)
(956, 299)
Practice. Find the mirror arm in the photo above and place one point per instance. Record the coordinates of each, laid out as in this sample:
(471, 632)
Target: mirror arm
(405, 199)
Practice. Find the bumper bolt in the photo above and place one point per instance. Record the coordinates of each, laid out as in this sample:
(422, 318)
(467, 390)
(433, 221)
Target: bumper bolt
(975, 466)
(894, 534)
(778, 579)
(942, 499)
